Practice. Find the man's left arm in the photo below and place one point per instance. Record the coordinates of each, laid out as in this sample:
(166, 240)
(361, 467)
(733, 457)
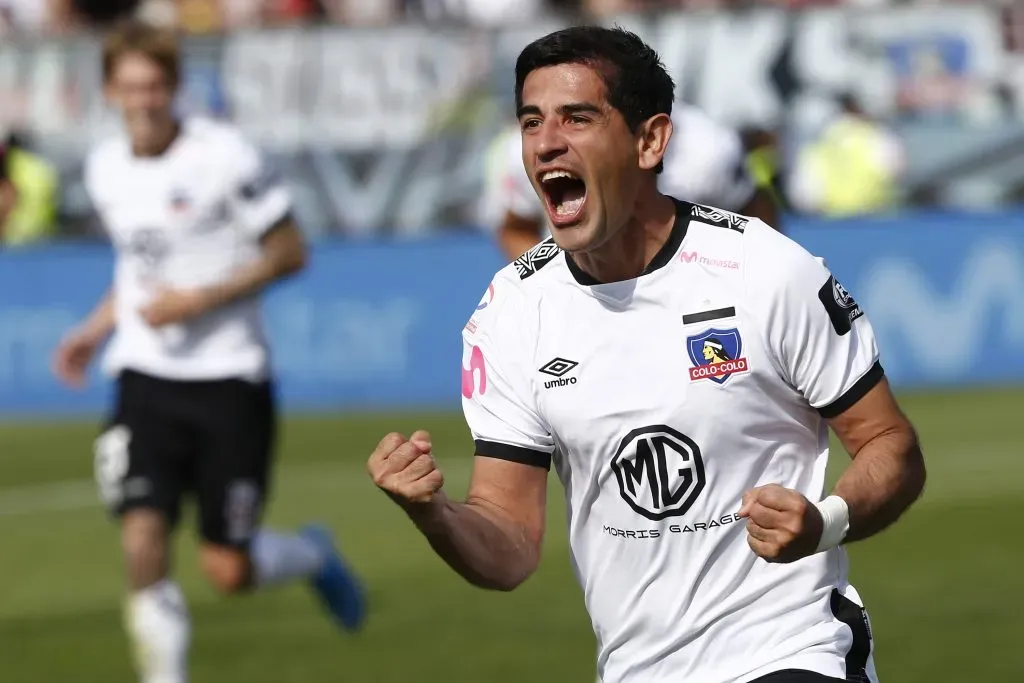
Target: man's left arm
(887, 473)
(261, 208)
(282, 254)
(886, 476)
(824, 347)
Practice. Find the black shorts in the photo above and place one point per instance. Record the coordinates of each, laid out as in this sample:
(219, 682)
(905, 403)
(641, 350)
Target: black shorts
(169, 438)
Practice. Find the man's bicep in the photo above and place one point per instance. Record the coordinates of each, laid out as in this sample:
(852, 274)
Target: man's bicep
(513, 442)
(516, 490)
(498, 396)
(876, 413)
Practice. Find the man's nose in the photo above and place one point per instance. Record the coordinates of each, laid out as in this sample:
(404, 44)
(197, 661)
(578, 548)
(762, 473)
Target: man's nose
(551, 142)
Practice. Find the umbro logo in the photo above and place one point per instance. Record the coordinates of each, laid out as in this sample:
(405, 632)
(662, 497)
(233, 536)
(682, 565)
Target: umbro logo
(558, 368)
(536, 258)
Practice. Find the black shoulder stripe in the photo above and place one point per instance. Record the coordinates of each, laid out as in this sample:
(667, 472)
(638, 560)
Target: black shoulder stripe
(503, 451)
(855, 393)
(719, 218)
(536, 258)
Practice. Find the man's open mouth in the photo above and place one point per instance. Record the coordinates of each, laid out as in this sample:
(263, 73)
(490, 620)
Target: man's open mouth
(565, 195)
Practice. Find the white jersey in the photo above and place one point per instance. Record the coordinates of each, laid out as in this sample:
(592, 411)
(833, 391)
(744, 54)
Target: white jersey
(705, 164)
(661, 400)
(186, 219)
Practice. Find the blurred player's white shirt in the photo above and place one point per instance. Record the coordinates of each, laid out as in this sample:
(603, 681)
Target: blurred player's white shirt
(705, 164)
(186, 219)
(663, 399)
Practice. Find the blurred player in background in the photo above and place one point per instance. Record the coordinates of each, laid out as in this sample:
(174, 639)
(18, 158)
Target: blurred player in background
(685, 409)
(706, 164)
(201, 228)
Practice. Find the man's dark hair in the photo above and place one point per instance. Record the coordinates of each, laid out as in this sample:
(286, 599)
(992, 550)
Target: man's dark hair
(638, 84)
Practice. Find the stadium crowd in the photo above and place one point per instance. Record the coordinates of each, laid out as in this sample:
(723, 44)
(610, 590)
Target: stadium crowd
(853, 164)
(62, 16)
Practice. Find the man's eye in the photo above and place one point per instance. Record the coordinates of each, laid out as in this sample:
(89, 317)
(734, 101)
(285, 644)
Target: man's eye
(530, 123)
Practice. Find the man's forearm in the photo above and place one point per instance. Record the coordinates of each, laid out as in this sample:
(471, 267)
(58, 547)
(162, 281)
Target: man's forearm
(283, 255)
(245, 282)
(885, 478)
(102, 319)
(482, 547)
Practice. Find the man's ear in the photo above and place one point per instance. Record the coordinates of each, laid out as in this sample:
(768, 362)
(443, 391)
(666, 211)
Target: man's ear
(652, 140)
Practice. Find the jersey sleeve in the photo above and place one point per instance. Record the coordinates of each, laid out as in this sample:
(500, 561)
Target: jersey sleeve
(260, 197)
(817, 334)
(497, 391)
(711, 169)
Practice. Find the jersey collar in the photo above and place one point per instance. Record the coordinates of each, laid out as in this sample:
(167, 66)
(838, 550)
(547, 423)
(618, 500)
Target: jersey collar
(660, 260)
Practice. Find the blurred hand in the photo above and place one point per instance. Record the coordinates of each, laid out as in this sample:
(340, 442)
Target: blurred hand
(782, 525)
(170, 306)
(405, 469)
(72, 358)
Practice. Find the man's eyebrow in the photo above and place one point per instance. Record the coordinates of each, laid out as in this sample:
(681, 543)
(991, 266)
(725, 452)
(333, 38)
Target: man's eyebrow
(564, 110)
(579, 108)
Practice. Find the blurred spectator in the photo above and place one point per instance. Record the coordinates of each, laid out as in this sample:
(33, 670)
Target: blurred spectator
(764, 162)
(24, 16)
(362, 12)
(605, 8)
(8, 195)
(28, 195)
(477, 12)
(852, 168)
(77, 14)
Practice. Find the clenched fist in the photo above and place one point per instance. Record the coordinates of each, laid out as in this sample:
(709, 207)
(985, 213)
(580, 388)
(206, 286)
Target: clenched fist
(782, 525)
(405, 469)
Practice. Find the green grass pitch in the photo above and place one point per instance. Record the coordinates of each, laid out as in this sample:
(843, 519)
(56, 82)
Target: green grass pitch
(943, 587)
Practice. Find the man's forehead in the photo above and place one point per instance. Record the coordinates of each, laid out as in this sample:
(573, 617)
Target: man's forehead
(563, 83)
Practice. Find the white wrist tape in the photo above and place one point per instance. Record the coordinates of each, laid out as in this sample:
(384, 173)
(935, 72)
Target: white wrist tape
(835, 518)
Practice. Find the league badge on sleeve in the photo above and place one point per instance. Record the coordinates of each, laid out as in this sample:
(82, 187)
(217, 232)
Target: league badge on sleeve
(842, 309)
(488, 297)
(716, 354)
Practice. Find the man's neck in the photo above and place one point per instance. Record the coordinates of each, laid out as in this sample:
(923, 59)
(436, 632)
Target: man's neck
(160, 145)
(632, 248)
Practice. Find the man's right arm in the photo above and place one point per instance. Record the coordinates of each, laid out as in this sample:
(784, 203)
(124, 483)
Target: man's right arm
(493, 539)
(101, 321)
(76, 350)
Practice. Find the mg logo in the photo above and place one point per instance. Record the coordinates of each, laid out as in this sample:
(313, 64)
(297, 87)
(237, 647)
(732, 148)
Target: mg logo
(660, 471)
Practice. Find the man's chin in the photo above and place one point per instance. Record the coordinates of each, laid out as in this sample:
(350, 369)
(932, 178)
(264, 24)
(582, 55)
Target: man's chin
(574, 239)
